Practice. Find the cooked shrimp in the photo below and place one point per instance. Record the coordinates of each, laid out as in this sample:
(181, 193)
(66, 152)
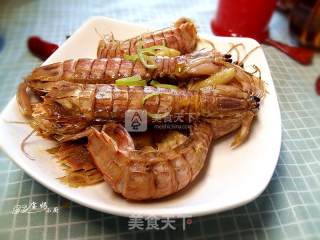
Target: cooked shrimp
(182, 37)
(143, 175)
(140, 175)
(106, 71)
(70, 108)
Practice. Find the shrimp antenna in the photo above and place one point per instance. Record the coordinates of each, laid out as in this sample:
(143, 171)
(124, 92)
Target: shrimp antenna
(248, 54)
(14, 122)
(235, 47)
(112, 37)
(208, 42)
(23, 144)
(256, 70)
(101, 35)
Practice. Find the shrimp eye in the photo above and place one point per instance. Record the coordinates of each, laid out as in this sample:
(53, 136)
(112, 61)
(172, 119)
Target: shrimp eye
(257, 99)
(147, 167)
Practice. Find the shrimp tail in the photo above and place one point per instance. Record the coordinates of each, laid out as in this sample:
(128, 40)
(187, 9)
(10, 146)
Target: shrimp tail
(139, 175)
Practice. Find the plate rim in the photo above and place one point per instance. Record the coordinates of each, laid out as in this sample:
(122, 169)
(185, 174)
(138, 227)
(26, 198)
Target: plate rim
(194, 211)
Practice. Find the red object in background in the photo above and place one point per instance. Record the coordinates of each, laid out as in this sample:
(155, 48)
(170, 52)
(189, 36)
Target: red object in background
(243, 18)
(300, 54)
(304, 23)
(318, 85)
(40, 47)
(247, 18)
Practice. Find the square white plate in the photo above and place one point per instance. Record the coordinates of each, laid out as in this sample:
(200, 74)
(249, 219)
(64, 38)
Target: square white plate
(229, 179)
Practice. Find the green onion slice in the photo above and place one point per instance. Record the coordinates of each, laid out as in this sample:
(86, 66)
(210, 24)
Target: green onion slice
(162, 85)
(222, 77)
(131, 58)
(144, 58)
(131, 81)
(145, 55)
(155, 116)
(158, 116)
(159, 50)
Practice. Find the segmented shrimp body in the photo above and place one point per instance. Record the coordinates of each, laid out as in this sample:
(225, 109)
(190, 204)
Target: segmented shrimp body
(182, 36)
(140, 175)
(69, 108)
(143, 175)
(80, 100)
(200, 63)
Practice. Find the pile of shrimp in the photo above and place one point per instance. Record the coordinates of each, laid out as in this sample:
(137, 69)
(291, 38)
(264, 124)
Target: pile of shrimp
(82, 103)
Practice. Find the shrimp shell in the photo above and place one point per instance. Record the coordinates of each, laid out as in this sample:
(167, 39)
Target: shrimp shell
(149, 175)
(182, 37)
(143, 175)
(106, 71)
(70, 108)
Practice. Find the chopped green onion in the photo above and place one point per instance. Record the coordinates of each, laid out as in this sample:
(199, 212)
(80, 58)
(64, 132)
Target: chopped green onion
(222, 77)
(144, 60)
(162, 85)
(135, 78)
(149, 96)
(156, 116)
(159, 50)
(131, 58)
(145, 55)
(131, 81)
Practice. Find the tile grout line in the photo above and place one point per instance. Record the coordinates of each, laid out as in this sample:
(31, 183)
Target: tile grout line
(19, 197)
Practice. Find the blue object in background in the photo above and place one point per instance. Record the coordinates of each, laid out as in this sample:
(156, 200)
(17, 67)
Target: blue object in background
(1, 43)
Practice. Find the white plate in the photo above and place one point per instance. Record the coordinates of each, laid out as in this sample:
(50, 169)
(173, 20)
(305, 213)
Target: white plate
(229, 179)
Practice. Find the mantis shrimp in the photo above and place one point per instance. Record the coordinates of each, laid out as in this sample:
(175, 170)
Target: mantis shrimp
(151, 174)
(106, 71)
(182, 37)
(80, 99)
(70, 108)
